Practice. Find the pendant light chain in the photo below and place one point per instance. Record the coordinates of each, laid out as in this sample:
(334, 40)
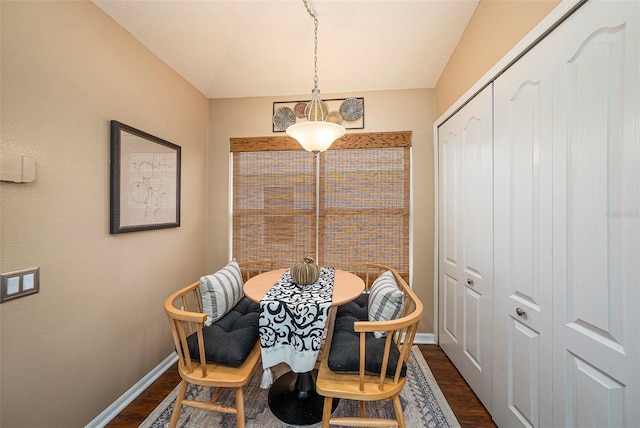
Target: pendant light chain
(315, 42)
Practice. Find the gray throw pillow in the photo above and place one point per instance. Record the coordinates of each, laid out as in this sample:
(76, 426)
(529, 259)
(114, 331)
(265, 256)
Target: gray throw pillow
(221, 291)
(386, 300)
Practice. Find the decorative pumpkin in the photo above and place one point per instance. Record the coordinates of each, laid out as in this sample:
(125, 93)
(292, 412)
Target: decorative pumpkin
(305, 273)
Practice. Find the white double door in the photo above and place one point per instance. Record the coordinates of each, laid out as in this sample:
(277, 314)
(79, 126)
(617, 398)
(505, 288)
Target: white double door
(567, 226)
(466, 241)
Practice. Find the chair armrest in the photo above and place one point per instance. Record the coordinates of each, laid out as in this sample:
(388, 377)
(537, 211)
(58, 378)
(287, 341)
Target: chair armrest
(396, 324)
(182, 315)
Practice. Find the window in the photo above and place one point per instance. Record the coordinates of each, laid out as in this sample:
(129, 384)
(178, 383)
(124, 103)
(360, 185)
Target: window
(357, 194)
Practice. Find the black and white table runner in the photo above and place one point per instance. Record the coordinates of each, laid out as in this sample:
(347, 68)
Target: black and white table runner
(292, 321)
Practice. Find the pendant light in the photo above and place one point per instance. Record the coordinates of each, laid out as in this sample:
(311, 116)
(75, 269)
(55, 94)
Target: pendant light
(315, 135)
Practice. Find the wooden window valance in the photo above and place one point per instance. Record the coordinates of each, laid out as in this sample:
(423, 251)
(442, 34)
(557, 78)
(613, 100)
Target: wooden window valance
(362, 140)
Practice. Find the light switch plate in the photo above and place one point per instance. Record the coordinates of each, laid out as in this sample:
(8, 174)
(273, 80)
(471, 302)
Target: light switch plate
(19, 283)
(17, 168)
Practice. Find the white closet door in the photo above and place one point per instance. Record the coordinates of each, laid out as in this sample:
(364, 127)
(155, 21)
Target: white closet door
(466, 242)
(522, 244)
(596, 208)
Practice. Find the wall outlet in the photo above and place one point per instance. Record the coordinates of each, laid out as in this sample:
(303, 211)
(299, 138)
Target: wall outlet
(19, 283)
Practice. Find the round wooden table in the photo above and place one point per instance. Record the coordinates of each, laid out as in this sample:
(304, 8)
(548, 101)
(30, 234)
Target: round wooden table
(346, 286)
(292, 397)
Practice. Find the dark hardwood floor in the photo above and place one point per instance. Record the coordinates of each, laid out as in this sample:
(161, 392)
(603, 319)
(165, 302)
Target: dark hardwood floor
(465, 405)
(463, 401)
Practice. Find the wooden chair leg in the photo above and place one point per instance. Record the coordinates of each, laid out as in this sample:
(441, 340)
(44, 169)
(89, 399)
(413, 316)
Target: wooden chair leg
(326, 412)
(240, 407)
(217, 394)
(397, 407)
(178, 406)
(363, 413)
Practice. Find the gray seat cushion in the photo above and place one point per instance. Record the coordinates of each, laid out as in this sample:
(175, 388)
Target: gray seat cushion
(345, 345)
(229, 340)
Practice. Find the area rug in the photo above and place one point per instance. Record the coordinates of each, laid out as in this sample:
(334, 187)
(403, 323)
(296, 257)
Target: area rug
(422, 401)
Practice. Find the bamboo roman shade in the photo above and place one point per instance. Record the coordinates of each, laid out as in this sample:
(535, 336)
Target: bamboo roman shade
(363, 204)
(274, 203)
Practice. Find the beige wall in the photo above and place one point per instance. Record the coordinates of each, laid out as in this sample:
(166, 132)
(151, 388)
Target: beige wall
(495, 27)
(411, 110)
(97, 325)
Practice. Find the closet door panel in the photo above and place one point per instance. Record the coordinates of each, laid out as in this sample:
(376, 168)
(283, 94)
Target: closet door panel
(466, 242)
(473, 327)
(523, 260)
(594, 160)
(471, 197)
(450, 198)
(450, 319)
(599, 399)
(596, 222)
(524, 365)
(450, 306)
(527, 169)
(472, 220)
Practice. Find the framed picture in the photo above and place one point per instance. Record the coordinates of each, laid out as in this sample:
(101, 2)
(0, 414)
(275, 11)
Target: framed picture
(348, 112)
(145, 181)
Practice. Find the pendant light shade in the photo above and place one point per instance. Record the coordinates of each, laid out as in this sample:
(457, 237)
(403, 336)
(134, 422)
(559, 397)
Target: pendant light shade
(315, 135)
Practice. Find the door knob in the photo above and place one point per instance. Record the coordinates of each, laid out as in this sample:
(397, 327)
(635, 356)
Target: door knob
(470, 281)
(520, 312)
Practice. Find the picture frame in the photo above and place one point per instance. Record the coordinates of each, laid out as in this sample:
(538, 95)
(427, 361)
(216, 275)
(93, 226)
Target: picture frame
(348, 112)
(145, 181)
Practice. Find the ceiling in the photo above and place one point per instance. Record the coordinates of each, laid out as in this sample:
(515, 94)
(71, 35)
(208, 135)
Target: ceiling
(238, 48)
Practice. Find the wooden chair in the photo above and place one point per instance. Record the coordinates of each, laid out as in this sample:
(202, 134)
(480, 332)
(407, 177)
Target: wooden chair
(368, 272)
(250, 268)
(363, 386)
(183, 323)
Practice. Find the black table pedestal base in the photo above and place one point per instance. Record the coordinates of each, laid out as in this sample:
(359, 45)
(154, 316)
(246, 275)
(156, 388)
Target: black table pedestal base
(293, 399)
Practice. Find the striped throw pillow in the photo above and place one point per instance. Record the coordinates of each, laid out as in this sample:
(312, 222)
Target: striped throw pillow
(386, 300)
(221, 291)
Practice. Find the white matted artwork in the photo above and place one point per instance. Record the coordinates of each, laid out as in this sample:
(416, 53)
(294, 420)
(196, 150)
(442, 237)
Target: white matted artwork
(348, 112)
(145, 181)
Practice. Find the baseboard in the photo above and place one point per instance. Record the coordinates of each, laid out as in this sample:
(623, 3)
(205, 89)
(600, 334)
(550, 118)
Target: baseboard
(116, 407)
(424, 339)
